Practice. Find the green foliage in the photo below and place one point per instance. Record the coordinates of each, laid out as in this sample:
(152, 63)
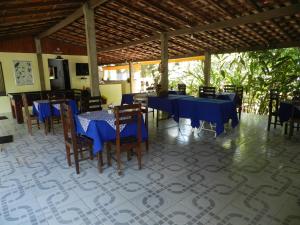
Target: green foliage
(257, 72)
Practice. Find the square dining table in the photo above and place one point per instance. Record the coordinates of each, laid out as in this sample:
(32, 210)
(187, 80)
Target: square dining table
(100, 127)
(43, 109)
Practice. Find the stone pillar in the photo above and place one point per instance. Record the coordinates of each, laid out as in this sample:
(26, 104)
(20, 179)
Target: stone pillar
(39, 56)
(131, 74)
(207, 68)
(89, 21)
(164, 62)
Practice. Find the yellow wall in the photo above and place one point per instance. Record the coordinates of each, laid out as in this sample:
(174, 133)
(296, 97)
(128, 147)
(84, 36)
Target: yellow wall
(113, 93)
(6, 60)
(76, 82)
(8, 71)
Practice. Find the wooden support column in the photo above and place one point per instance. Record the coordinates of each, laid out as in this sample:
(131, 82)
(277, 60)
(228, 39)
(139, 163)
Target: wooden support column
(131, 72)
(164, 62)
(207, 68)
(39, 56)
(89, 21)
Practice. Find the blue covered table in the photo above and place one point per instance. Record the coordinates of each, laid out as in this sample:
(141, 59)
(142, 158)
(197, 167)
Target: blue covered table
(128, 98)
(99, 126)
(166, 104)
(211, 110)
(42, 108)
(285, 111)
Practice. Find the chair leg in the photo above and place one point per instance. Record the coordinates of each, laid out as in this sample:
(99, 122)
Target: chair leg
(52, 124)
(291, 129)
(240, 112)
(76, 160)
(285, 128)
(108, 154)
(68, 155)
(91, 154)
(46, 126)
(100, 162)
(147, 146)
(29, 127)
(129, 151)
(157, 117)
(118, 154)
(38, 123)
(275, 122)
(269, 122)
(139, 156)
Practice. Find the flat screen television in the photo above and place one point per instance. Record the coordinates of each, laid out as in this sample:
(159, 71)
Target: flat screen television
(82, 69)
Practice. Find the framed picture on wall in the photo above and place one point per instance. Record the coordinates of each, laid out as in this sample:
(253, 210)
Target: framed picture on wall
(23, 72)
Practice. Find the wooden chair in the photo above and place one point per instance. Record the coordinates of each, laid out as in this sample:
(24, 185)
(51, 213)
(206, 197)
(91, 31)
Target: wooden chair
(126, 114)
(231, 88)
(142, 99)
(55, 98)
(207, 92)
(273, 108)
(77, 143)
(54, 95)
(91, 104)
(294, 118)
(296, 95)
(29, 117)
(79, 98)
(239, 104)
(182, 88)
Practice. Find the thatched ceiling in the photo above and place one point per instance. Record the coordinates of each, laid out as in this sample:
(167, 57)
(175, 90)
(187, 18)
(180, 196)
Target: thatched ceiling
(120, 22)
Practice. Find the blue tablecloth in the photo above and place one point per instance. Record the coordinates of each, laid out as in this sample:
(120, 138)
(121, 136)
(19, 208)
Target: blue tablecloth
(128, 98)
(101, 131)
(166, 104)
(210, 110)
(285, 111)
(42, 109)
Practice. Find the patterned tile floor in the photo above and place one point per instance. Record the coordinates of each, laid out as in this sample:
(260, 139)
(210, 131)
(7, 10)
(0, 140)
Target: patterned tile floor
(247, 176)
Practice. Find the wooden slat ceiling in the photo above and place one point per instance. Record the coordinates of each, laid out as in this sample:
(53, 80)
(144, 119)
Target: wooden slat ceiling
(123, 21)
(21, 17)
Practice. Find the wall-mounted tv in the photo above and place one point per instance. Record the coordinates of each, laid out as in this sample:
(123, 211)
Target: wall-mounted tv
(82, 69)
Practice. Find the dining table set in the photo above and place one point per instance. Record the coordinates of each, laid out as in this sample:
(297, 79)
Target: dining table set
(217, 111)
(96, 125)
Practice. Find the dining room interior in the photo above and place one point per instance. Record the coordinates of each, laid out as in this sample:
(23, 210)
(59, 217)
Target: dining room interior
(150, 112)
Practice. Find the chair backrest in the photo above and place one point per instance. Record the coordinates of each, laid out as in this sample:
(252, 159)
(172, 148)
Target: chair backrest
(296, 107)
(128, 114)
(207, 92)
(67, 119)
(25, 104)
(296, 95)
(141, 99)
(274, 100)
(53, 95)
(240, 94)
(231, 88)
(182, 88)
(78, 97)
(94, 103)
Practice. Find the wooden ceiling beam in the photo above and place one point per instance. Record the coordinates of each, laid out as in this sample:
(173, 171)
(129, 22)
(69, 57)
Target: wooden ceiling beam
(10, 5)
(71, 18)
(253, 18)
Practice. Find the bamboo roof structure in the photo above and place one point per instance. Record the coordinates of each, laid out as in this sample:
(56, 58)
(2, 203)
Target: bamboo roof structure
(129, 30)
